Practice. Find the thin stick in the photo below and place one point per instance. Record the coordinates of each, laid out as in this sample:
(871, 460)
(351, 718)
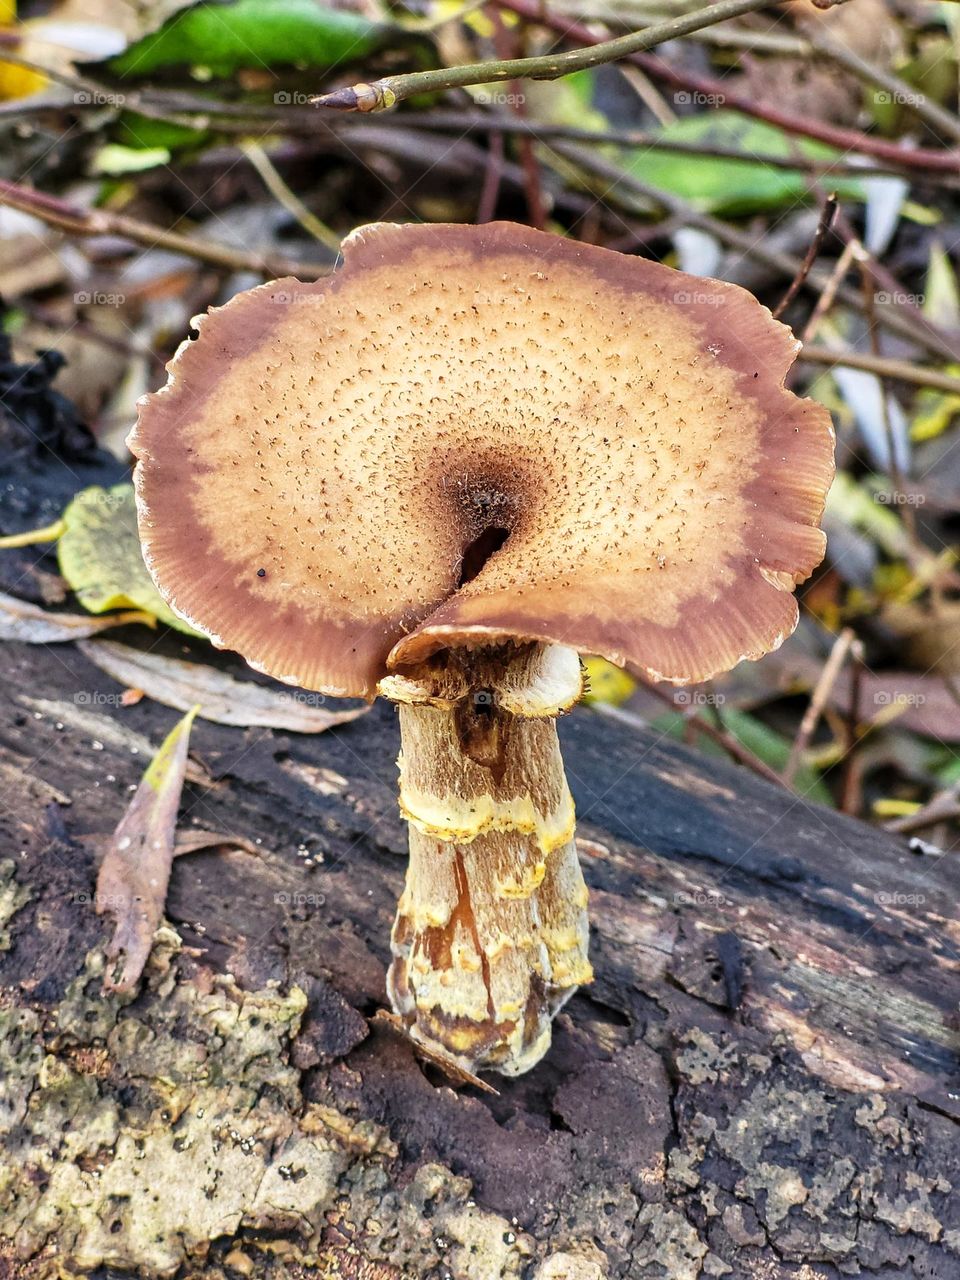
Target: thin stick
(850, 788)
(829, 292)
(818, 700)
(275, 184)
(806, 266)
(843, 139)
(624, 187)
(490, 191)
(176, 107)
(505, 44)
(97, 222)
(385, 93)
(941, 808)
(898, 90)
(882, 366)
(884, 278)
(894, 468)
(722, 737)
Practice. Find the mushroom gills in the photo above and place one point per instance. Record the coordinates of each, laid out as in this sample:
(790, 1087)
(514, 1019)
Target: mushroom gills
(491, 933)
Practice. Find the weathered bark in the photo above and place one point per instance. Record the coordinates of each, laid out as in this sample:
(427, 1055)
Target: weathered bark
(762, 1081)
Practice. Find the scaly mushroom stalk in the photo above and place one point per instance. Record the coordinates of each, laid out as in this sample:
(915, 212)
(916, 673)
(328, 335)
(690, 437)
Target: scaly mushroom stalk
(491, 933)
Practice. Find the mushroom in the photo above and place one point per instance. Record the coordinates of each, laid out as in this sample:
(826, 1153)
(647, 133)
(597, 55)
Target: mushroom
(439, 475)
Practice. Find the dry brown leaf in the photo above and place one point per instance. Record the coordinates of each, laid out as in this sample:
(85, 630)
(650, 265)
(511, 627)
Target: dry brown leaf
(448, 1064)
(221, 698)
(194, 841)
(930, 637)
(133, 879)
(29, 624)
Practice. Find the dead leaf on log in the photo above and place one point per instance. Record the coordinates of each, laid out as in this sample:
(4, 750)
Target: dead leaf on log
(29, 624)
(221, 698)
(930, 635)
(448, 1064)
(133, 879)
(194, 841)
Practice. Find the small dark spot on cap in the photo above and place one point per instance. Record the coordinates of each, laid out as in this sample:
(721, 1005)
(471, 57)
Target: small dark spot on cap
(261, 573)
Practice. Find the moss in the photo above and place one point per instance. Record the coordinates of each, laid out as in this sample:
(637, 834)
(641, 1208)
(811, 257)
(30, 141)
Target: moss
(141, 1133)
(13, 896)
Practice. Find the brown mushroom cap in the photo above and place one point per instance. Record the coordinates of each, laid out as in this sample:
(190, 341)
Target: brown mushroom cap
(325, 454)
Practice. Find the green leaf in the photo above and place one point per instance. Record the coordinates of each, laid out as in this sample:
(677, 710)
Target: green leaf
(146, 133)
(100, 556)
(856, 505)
(733, 187)
(254, 33)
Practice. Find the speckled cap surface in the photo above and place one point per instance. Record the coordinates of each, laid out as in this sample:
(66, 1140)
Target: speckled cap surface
(324, 454)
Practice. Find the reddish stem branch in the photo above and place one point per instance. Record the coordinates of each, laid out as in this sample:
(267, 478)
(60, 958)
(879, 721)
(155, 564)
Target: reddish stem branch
(833, 135)
(97, 222)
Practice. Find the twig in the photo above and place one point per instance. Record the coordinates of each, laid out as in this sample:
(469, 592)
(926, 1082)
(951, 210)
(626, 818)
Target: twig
(228, 117)
(290, 201)
(829, 291)
(893, 461)
(883, 276)
(823, 226)
(818, 700)
(850, 786)
(385, 93)
(490, 191)
(944, 806)
(622, 184)
(460, 122)
(722, 737)
(97, 222)
(505, 45)
(845, 140)
(899, 90)
(883, 367)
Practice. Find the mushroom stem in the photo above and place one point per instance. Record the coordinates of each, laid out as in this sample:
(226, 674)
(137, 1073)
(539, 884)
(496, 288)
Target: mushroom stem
(491, 934)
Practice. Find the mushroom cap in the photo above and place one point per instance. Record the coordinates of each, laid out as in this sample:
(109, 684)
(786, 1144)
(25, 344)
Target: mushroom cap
(324, 455)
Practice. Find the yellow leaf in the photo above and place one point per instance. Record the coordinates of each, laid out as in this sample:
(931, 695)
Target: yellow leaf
(100, 556)
(894, 808)
(607, 683)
